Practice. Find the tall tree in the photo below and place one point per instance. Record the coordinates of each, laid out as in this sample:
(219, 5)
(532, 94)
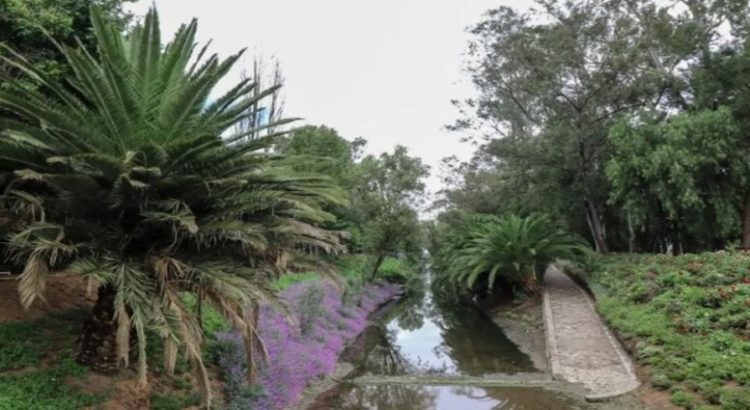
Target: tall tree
(550, 84)
(321, 150)
(26, 26)
(262, 116)
(390, 189)
(680, 180)
(722, 75)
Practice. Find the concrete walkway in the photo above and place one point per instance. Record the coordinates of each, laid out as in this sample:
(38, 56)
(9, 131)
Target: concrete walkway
(580, 347)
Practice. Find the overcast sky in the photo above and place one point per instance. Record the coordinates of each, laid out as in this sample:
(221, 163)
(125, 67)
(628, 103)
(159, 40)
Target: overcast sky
(384, 70)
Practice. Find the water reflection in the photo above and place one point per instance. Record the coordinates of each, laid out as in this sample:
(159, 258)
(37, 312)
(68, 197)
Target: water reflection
(398, 397)
(424, 334)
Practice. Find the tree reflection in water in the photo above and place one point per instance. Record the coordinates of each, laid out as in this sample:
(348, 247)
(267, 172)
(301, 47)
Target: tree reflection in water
(476, 345)
(426, 334)
(390, 397)
(420, 397)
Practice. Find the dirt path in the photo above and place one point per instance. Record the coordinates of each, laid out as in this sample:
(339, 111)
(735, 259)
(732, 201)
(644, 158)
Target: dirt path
(580, 347)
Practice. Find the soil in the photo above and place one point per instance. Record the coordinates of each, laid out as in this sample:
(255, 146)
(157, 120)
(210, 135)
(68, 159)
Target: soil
(127, 395)
(63, 292)
(651, 397)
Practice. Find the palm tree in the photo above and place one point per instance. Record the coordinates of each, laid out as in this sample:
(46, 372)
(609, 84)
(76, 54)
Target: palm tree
(130, 175)
(517, 249)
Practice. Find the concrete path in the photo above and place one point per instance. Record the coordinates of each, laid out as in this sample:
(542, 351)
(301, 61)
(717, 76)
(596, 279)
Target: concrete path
(580, 347)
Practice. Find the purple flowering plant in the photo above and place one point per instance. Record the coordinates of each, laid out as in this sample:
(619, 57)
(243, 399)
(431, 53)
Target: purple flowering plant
(298, 353)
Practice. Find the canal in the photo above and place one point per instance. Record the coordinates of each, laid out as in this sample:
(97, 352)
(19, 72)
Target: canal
(423, 353)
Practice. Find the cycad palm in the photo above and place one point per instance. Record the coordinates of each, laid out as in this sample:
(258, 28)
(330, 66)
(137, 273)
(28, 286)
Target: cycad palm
(486, 248)
(130, 175)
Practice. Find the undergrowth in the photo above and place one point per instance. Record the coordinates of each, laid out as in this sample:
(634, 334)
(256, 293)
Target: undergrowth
(36, 360)
(687, 317)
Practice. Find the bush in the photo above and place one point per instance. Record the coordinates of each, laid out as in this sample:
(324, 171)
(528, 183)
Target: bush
(736, 399)
(310, 307)
(213, 322)
(228, 353)
(680, 398)
(173, 402)
(396, 271)
(297, 355)
(352, 267)
(290, 279)
(483, 250)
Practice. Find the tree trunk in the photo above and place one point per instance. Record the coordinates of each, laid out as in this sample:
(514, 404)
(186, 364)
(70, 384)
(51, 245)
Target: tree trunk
(378, 262)
(746, 222)
(631, 235)
(595, 225)
(99, 339)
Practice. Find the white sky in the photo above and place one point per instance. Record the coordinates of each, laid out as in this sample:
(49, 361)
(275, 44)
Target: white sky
(384, 70)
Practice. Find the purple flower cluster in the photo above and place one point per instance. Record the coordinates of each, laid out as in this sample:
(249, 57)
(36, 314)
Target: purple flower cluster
(299, 353)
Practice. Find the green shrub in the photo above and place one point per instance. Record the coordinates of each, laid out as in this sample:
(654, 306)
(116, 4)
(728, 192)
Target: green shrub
(173, 402)
(45, 389)
(688, 316)
(484, 250)
(211, 319)
(311, 308)
(352, 267)
(396, 271)
(680, 398)
(290, 279)
(736, 399)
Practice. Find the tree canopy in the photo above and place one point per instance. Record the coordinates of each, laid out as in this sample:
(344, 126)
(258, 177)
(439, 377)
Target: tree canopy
(567, 90)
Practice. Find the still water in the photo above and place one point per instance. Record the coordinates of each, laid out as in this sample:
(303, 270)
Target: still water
(444, 398)
(425, 336)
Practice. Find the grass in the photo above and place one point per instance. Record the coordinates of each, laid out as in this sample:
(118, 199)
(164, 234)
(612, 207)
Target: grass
(173, 402)
(37, 366)
(355, 269)
(686, 317)
(21, 345)
(45, 389)
(290, 279)
(38, 379)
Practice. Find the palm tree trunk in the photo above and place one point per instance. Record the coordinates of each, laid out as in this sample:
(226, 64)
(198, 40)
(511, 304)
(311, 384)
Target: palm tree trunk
(99, 338)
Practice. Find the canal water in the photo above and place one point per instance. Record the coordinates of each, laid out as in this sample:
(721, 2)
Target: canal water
(424, 336)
